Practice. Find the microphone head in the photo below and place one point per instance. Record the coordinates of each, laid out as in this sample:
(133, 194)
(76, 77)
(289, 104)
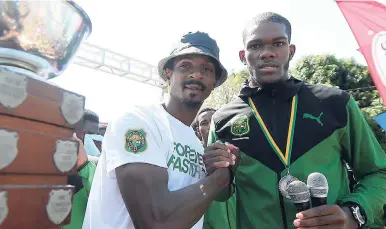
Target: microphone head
(298, 191)
(318, 185)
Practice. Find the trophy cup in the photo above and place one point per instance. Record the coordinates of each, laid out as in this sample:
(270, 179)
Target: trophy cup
(38, 39)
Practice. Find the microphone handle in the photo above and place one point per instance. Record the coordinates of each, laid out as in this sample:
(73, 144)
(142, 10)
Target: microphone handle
(318, 201)
(302, 206)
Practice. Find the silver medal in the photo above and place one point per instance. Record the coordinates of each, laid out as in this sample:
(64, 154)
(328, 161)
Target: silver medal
(283, 185)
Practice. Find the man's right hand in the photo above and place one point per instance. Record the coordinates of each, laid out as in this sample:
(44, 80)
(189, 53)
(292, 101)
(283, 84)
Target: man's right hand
(219, 155)
(82, 155)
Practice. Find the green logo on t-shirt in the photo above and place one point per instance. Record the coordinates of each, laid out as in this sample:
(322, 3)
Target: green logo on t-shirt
(186, 160)
(135, 141)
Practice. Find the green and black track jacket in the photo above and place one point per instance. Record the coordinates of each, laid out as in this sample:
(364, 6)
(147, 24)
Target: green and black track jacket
(82, 182)
(328, 127)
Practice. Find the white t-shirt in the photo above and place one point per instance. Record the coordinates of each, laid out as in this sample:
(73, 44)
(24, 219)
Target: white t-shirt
(157, 138)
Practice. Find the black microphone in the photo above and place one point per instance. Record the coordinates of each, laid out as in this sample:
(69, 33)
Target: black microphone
(318, 186)
(300, 195)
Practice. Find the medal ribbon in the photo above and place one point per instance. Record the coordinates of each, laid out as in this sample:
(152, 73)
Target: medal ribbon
(285, 158)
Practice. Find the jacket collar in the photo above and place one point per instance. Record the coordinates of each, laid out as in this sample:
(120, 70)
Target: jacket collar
(282, 90)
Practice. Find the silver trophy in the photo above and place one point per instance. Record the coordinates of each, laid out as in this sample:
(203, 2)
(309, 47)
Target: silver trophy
(41, 36)
(38, 40)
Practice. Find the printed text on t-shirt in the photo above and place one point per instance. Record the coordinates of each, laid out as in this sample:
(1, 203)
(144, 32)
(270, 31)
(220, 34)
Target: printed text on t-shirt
(186, 160)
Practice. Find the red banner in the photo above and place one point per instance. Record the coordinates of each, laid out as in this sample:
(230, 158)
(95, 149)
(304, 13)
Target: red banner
(367, 20)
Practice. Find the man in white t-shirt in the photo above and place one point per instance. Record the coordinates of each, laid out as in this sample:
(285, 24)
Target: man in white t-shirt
(152, 173)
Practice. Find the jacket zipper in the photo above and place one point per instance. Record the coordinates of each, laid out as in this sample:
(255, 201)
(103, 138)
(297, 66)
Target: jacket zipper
(273, 93)
(283, 212)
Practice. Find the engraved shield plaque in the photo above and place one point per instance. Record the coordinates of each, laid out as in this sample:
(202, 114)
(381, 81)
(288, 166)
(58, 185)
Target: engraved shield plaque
(13, 88)
(3, 205)
(72, 107)
(66, 155)
(59, 205)
(8, 147)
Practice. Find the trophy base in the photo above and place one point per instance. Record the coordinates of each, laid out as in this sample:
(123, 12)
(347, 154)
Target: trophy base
(37, 121)
(24, 94)
(35, 206)
(36, 148)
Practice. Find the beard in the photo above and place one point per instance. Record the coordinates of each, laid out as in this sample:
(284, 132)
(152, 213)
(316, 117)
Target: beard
(188, 103)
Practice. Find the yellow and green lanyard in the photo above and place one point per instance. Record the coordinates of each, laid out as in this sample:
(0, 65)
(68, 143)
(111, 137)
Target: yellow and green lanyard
(285, 158)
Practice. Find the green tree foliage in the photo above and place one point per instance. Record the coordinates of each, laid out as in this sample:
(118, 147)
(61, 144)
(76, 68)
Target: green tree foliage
(227, 91)
(346, 74)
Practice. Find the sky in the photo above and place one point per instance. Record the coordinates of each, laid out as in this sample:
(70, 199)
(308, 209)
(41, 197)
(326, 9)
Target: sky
(146, 29)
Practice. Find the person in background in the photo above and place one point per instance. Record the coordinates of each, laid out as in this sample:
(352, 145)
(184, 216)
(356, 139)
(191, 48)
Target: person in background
(82, 182)
(194, 127)
(86, 166)
(93, 144)
(202, 121)
(287, 129)
(102, 129)
(152, 172)
(91, 138)
(223, 217)
(90, 122)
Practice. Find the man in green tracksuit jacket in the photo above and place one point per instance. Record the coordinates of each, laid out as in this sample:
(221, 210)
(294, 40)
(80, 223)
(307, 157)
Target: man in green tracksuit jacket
(86, 174)
(82, 182)
(285, 126)
(86, 166)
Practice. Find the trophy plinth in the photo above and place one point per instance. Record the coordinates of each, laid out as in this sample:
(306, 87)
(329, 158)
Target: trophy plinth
(38, 39)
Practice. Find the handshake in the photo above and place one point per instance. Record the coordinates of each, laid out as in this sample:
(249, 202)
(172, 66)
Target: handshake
(221, 155)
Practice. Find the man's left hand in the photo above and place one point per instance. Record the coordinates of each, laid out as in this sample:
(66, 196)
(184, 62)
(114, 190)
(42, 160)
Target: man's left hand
(220, 155)
(82, 155)
(236, 152)
(326, 216)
